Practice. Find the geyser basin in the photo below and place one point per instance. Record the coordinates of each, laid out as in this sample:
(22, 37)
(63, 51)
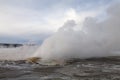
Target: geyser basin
(79, 50)
(94, 39)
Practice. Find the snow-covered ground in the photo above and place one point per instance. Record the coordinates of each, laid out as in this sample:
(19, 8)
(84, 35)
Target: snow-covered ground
(17, 53)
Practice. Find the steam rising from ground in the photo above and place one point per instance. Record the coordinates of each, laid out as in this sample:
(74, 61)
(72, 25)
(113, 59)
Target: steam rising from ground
(95, 39)
(19, 53)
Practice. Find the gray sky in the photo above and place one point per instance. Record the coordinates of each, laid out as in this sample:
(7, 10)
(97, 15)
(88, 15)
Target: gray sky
(31, 19)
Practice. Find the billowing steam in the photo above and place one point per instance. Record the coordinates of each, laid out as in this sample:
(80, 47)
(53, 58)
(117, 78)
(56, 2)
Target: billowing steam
(95, 39)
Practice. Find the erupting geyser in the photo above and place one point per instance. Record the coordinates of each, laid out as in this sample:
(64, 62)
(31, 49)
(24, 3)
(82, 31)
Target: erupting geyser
(95, 39)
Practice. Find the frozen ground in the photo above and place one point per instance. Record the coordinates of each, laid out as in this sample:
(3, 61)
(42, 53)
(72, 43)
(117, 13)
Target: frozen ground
(89, 69)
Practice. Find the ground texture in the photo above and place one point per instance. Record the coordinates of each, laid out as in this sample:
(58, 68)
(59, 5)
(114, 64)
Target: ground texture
(78, 69)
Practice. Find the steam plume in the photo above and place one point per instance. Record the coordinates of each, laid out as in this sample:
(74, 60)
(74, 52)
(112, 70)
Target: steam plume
(95, 39)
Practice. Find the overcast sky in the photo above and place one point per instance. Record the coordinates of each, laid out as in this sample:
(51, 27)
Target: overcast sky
(35, 18)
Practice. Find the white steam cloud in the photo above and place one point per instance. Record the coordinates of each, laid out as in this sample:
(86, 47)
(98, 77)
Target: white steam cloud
(95, 39)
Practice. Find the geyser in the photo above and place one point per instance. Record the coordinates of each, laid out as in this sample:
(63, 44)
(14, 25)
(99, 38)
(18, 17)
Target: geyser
(95, 39)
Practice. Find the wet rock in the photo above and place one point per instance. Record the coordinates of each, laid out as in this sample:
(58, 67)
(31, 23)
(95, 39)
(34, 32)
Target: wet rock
(80, 69)
(55, 79)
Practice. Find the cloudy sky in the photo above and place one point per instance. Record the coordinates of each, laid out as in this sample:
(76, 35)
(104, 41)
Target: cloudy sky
(22, 20)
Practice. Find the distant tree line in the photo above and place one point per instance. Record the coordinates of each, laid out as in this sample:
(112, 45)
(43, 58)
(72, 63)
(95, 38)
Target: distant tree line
(7, 45)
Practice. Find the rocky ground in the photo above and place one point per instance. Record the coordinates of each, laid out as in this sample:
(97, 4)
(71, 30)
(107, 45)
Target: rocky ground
(74, 69)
